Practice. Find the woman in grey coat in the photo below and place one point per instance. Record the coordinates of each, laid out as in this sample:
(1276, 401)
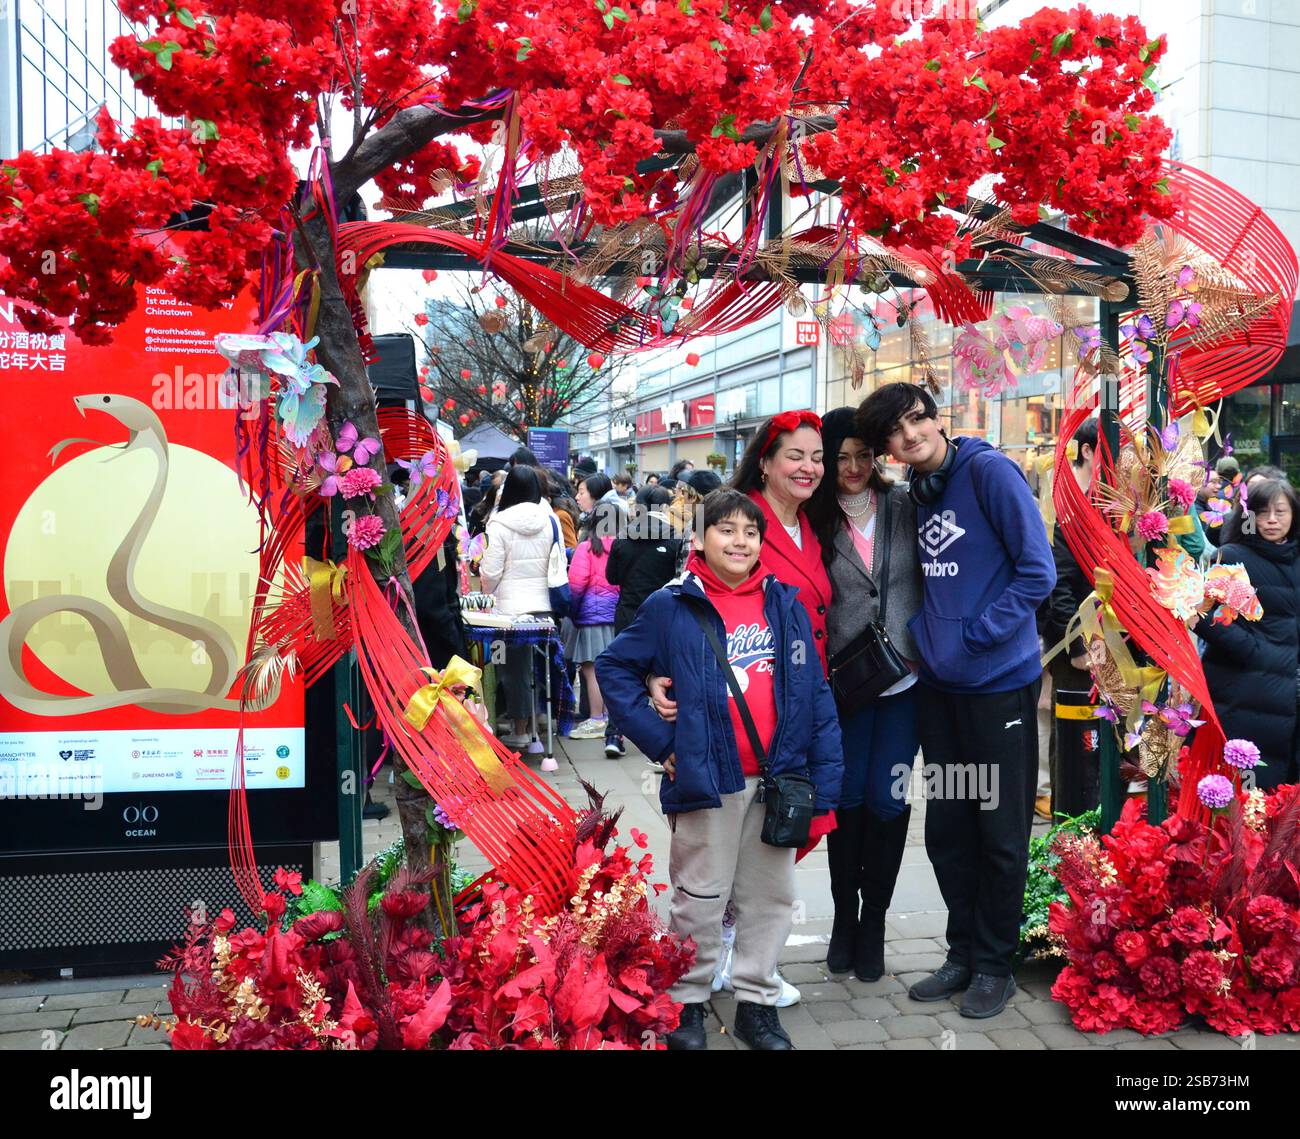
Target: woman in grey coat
(861, 519)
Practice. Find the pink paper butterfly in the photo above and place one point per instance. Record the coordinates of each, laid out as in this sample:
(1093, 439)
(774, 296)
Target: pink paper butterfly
(365, 449)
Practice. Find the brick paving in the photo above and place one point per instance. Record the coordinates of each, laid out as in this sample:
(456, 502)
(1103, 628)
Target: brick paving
(833, 1012)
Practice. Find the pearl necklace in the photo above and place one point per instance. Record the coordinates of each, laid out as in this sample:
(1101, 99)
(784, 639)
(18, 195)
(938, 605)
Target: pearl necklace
(866, 500)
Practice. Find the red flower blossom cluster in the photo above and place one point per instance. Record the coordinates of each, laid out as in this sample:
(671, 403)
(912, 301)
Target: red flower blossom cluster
(1057, 108)
(1182, 919)
(594, 976)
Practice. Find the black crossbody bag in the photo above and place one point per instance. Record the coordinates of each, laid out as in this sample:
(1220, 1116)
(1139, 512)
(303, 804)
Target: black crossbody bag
(869, 664)
(790, 799)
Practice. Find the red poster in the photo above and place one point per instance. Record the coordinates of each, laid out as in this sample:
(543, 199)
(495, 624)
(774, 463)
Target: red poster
(129, 560)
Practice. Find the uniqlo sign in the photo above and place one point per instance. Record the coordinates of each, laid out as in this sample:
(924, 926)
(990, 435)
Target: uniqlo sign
(807, 332)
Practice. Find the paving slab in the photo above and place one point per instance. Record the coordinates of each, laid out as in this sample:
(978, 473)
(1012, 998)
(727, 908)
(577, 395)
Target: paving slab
(835, 1012)
(105, 1034)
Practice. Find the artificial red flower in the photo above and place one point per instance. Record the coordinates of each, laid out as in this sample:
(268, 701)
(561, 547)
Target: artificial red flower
(1132, 946)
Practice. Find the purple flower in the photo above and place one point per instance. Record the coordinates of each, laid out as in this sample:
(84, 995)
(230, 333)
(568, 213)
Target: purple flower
(1215, 791)
(442, 813)
(1240, 753)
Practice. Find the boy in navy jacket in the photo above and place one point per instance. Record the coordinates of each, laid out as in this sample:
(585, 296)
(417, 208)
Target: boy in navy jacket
(987, 566)
(710, 793)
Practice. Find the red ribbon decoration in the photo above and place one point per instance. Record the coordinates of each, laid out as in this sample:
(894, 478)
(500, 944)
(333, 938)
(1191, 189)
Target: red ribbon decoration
(1237, 233)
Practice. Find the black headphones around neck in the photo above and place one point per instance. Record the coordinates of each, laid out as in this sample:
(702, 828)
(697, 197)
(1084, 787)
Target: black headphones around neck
(926, 490)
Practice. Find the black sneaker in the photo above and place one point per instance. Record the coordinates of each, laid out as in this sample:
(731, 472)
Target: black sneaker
(614, 747)
(689, 1035)
(759, 1026)
(987, 995)
(949, 978)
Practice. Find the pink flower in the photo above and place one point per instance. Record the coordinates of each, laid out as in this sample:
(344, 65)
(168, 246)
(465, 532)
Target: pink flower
(1152, 525)
(1240, 753)
(1215, 791)
(367, 531)
(1181, 493)
(359, 481)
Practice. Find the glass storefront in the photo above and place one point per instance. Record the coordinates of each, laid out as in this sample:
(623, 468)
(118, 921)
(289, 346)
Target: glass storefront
(1022, 422)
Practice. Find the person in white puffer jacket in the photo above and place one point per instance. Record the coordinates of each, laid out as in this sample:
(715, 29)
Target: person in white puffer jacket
(520, 536)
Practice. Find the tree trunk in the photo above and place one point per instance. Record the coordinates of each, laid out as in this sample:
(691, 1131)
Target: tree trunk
(354, 400)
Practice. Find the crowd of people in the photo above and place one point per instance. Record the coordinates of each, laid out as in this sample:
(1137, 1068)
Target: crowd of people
(816, 619)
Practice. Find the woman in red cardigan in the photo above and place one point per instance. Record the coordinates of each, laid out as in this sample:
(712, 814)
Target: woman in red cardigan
(780, 469)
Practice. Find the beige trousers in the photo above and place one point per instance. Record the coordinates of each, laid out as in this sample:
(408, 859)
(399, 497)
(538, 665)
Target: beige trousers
(718, 854)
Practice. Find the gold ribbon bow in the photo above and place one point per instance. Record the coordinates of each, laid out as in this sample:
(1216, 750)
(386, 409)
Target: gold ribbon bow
(438, 695)
(1095, 618)
(326, 582)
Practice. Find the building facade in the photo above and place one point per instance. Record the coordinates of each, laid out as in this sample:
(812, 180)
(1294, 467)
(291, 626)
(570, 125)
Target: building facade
(55, 73)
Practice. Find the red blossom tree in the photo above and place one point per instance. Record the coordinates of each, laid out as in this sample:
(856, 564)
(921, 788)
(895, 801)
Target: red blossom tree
(649, 102)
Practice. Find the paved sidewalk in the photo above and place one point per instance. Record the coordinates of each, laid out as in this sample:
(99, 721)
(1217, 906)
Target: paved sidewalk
(834, 1012)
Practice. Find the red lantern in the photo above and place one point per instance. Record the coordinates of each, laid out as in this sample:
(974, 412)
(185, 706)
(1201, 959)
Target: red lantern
(692, 358)
(464, 420)
(424, 371)
(449, 403)
(426, 394)
(482, 389)
(421, 318)
(501, 302)
(562, 364)
(430, 275)
(549, 345)
(465, 373)
(595, 360)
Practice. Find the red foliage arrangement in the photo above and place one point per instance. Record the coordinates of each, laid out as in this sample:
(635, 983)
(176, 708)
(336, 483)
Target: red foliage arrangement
(596, 975)
(1184, 918)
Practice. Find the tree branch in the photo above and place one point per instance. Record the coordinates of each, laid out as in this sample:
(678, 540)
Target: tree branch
(676, 142)
(406, 132)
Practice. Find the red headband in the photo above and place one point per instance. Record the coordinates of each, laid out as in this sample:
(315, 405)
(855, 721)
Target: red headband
(790, 421)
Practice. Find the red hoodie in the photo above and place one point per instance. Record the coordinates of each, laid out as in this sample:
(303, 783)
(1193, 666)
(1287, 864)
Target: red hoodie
(751, 649)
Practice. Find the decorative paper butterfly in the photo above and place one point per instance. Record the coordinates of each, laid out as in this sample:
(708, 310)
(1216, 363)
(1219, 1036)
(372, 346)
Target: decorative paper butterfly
(361, 450)
(423, 468)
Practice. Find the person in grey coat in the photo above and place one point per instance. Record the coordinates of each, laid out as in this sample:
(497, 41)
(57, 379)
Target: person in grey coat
(859, 517)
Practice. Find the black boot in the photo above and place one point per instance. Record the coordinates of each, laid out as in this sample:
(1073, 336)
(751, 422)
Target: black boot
(689, 1035)
(883, 841)
(843, 845)
(759, 1026)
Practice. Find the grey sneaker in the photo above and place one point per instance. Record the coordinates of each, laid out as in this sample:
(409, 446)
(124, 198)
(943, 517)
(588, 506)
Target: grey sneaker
(949, 978)
(987, 995)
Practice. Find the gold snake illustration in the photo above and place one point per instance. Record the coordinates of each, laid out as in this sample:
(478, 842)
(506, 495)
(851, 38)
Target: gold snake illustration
(145, 434)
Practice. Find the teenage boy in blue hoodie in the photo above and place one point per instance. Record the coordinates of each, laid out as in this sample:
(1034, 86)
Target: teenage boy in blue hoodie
(710, 793)
(987, 566)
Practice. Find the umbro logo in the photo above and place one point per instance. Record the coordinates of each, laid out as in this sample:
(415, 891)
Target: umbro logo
(939, 532)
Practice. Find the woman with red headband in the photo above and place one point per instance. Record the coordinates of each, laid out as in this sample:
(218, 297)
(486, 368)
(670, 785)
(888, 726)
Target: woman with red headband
(780, 470)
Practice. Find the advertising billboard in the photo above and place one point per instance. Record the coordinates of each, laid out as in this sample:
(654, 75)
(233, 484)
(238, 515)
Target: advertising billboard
(128, 557)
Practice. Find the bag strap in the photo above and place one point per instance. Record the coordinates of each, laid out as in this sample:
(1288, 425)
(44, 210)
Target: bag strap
(883, 534)
(730, 674)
